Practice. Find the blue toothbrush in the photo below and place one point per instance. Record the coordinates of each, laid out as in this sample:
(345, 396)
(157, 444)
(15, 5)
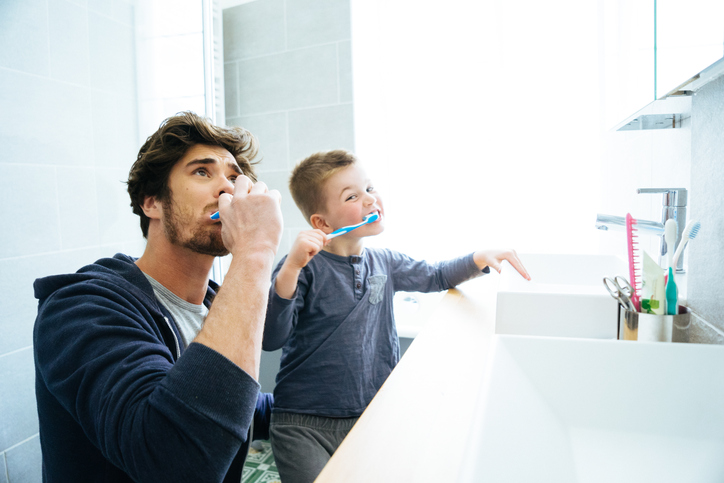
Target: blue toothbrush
(371, 218)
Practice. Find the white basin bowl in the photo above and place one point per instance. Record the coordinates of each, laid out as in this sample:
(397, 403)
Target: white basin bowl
(566, 297)
(588, 411)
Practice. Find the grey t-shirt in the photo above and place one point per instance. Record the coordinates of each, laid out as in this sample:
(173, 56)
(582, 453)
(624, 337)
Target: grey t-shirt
(189, 317)
(338, 333)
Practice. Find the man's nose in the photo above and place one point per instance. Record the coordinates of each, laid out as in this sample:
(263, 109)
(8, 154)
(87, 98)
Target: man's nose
(227, 186)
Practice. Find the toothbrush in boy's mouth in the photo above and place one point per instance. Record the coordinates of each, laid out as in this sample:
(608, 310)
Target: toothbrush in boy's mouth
(371, 218)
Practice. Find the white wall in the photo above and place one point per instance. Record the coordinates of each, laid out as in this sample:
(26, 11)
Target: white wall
(480, 123)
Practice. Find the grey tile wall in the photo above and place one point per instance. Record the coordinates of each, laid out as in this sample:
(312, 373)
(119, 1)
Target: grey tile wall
(68, 126)
(288, 79)
(22, 462)
(706, 252)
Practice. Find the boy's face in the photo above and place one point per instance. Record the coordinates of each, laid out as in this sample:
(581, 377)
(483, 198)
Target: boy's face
(350, 196)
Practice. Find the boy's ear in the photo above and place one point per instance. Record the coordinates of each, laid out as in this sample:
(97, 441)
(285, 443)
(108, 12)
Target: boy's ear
(151, 207)
(318, 222)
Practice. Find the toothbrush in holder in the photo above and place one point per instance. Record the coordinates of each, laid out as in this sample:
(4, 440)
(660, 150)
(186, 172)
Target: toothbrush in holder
(672, 292)
(690, 232)
(371, 218)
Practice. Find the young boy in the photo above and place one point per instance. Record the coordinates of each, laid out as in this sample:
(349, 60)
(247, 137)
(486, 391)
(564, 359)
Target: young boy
(330, 308)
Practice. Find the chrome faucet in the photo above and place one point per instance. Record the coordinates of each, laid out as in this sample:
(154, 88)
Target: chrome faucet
(674, 207)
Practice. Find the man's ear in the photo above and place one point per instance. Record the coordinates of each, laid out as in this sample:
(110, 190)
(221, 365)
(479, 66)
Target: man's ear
(151, 207)
(317, 221)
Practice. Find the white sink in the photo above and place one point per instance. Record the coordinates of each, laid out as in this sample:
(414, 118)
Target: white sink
(566, 297)
(587, 411)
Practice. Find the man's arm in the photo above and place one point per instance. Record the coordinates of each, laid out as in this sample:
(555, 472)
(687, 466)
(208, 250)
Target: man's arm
(251, 230)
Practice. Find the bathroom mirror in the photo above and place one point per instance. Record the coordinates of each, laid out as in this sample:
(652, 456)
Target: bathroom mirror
(689, 38)
(652, 47)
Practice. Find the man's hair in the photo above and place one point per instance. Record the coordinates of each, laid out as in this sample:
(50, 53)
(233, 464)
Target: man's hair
(164, 148)
(308, 177)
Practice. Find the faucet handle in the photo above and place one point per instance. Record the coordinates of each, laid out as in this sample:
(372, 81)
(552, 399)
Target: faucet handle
(672, 196)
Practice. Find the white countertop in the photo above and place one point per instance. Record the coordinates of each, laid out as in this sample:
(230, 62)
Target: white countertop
(416, 427)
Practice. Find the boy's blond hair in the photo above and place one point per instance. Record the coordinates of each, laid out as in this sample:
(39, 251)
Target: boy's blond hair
(308, 177)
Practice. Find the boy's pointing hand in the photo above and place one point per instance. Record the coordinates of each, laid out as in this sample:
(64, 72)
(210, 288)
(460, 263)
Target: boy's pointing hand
(493, 259)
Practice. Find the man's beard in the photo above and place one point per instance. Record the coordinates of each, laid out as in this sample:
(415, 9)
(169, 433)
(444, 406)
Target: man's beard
(203, 240)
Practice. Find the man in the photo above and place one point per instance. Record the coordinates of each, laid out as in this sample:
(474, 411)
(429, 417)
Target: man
(139, 377)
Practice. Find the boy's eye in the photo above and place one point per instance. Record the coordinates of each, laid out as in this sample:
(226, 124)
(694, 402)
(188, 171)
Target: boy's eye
(232, 179)
(201, 172)
(371, 189)
(351, 197)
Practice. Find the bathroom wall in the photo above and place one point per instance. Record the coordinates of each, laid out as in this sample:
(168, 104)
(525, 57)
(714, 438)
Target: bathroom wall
(691, 157)
(68, 127)
(706, 252)
(288, 79)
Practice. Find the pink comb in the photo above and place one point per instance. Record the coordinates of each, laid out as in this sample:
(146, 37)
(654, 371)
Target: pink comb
(633, 272)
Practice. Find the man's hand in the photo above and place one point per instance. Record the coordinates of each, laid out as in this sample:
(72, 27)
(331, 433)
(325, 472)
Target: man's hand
(251, 220)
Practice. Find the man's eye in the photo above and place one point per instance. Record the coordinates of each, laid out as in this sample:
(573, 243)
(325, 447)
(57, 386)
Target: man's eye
(201, 172)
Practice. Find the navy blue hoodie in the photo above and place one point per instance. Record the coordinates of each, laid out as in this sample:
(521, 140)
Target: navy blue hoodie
(120, 400)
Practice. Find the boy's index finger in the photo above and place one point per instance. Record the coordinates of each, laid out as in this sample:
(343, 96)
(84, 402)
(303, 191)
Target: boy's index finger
(518, 265)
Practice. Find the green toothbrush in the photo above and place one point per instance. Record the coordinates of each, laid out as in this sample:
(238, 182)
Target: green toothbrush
(672, 292)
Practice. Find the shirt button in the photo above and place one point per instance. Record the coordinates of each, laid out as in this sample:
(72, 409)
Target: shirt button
(359, 284)
(356, 270)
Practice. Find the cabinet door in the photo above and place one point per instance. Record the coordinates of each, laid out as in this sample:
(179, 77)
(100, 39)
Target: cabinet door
(689, 38)
(628, 58)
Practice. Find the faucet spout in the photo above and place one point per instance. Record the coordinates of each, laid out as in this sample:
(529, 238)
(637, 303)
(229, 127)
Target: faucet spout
(610, 222)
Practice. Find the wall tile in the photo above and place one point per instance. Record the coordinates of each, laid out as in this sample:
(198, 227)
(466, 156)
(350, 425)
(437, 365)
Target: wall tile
(183, 60)
(115, 130)
(17, 400)
(120, 11)
(18, 306)
(29, 217)
(25, 462)
(231, 90)
(312, 22)
(160, 18)
(320, 129)
(3, 469)
(254, 29)
(69, 49)
(706, 252)
(271, 131)
(44, 121)
(77, 207)
(291, 80)
(116, 220)
(346, 93)
(279, 180)
(112, 56)
(24, 36)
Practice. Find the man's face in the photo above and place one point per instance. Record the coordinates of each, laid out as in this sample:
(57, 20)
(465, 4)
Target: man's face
(195, 183)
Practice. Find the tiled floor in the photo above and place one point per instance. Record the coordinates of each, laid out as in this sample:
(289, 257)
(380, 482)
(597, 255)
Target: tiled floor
(260, 467)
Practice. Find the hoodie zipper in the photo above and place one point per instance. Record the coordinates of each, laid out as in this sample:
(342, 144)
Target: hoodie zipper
(175, 339)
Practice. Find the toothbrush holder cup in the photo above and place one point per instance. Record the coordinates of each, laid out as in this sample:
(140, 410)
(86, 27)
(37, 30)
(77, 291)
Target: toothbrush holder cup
(655, 328)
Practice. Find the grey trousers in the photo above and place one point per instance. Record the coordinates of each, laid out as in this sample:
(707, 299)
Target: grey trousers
(302, 444)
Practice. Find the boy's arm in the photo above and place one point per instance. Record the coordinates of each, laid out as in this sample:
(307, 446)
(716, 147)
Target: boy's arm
(307, 244)
(493, 259)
